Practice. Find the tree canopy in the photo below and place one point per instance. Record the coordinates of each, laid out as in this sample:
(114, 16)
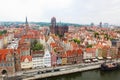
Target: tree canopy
(76, 41)
(36, 45)
(89, 46)
(96, 34)
(3, 32)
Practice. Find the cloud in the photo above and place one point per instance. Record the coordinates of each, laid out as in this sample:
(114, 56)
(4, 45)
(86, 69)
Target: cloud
(75, 11)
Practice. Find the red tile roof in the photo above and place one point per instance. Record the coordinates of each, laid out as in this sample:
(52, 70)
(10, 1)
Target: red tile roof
(4, 52)
(79, 51)
(24, 57)
(90, 50)
(72, 53)
(53, 45)
(64, 55)
(1, 37)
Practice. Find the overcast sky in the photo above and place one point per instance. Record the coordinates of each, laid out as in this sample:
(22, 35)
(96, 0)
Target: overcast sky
(74, 11)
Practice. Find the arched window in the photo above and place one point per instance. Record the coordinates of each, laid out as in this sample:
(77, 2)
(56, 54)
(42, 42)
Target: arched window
(4, 72)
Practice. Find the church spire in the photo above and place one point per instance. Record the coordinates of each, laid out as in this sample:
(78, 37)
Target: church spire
(26, 26)
(26, 21)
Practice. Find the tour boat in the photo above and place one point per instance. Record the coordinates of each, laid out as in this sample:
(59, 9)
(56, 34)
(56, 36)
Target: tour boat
(109, 66)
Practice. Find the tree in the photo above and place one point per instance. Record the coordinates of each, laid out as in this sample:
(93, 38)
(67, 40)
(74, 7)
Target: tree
(36, 45)
(76, 41)
(106, 36)
(96, 34)
(89, 46)
(3, 32)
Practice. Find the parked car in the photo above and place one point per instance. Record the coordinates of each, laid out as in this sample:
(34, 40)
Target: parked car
(87, 60)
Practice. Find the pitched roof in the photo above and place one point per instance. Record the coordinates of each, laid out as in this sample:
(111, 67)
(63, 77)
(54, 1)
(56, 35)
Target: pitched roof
(26, 57)
(1, 37)
(90, 50)
(4, 52)
(53, 45)
(79, 51)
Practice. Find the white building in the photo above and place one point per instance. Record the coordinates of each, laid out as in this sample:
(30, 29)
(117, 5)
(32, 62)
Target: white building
(38, 61)
(47, 59)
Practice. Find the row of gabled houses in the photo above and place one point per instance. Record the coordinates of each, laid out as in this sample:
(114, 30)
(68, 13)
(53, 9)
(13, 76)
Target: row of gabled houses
(56, 51)
(11, 60)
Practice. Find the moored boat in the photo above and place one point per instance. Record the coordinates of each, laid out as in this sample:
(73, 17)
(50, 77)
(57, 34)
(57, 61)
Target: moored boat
(109, 66)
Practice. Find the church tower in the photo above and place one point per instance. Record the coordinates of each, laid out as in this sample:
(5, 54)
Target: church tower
(26, 26)
(53, 25)
(53, 22)
(26, 22)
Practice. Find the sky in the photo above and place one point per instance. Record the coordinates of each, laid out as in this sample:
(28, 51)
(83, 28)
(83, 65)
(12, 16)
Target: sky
(71, 11)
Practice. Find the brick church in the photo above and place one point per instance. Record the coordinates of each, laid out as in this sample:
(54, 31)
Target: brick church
(57, 29)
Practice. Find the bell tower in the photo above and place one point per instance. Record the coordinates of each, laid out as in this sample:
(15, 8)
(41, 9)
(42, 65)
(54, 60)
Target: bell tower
(26, 26)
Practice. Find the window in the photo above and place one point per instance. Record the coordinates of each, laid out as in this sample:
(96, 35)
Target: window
(11, 64)
(5, 64)
(8, 64)
(2, 64)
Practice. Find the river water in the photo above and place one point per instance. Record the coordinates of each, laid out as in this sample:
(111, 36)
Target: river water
(89, 75)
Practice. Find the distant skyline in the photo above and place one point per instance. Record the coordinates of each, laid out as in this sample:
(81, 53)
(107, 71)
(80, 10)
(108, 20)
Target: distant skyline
(71, 11)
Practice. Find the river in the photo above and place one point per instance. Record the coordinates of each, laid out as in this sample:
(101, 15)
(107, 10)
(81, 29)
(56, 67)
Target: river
(89, 75)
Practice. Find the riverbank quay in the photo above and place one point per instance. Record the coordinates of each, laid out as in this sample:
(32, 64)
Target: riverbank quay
(67, 70)
(54, 71)
(63, 72)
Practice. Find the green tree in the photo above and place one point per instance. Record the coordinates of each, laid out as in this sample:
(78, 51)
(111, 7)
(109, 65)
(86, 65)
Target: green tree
(3, 32)
(36, 45)
(89, 46)
(106, 36)
(96, 34)
(76, 41)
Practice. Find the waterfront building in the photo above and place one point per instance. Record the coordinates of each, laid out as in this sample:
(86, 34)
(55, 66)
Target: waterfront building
(90, 53)
(26, 62)
(7, 63)
(74, 56)
(79, 56)
(99, 53)
(59, 58)
(37, 59)
(47, 59)
(64, 59)
(53, 58)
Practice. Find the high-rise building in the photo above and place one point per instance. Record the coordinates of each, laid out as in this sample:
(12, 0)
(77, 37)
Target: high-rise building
(106, 25)
(100, 24)
(92, 24)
